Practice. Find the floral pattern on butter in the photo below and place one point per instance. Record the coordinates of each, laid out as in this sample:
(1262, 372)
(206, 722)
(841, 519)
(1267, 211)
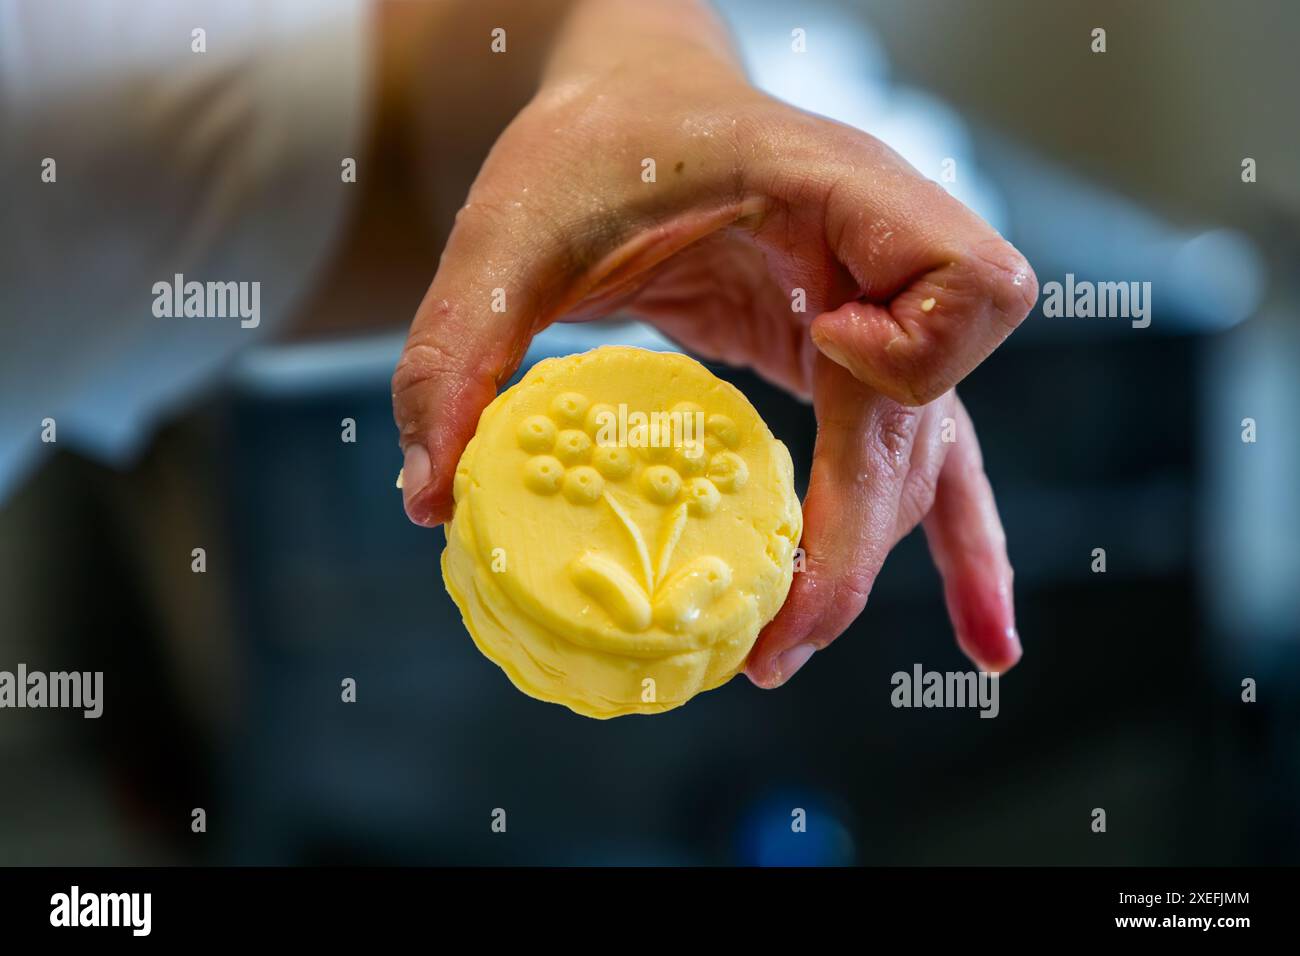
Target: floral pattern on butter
(580, 449)
(623, 528)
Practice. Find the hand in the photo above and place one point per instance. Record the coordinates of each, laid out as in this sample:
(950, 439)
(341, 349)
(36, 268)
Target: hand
(906, 291)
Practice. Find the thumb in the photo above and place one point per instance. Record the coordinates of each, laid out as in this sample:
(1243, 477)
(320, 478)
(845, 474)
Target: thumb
(469, 335)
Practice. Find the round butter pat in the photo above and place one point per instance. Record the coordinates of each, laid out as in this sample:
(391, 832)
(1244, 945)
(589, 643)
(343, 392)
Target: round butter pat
(624, 526)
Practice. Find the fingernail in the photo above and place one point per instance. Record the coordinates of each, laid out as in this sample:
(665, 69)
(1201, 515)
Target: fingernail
(416, 471)
(789, 662)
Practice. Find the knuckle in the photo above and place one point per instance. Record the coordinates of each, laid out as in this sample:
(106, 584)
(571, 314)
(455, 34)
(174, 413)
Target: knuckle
(480, 216)
(421, 362)
(568, 235)
(852, 593)
(1005, 277)
(492, 211)
(847, 589)
(847, 601)
(921, 490)
(890, 441)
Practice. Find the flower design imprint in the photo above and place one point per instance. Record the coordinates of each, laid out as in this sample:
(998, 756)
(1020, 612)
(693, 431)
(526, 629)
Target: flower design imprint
(669, 469)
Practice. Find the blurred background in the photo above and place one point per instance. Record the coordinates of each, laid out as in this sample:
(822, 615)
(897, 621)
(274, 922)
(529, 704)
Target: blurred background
(222, 689)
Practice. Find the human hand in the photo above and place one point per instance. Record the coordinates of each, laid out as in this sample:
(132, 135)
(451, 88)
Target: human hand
(754, 206)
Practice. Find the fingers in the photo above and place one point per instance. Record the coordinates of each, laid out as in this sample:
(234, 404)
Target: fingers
(930, 333)
(468, 337)
(937, 288)
(938, 295)
(878, 468)
(970, 550)
(860, 465)
(929, 450)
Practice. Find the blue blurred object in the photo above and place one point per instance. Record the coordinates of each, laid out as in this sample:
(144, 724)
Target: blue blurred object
(787, 829)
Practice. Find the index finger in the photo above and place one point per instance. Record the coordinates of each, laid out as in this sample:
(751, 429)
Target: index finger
(937, 288)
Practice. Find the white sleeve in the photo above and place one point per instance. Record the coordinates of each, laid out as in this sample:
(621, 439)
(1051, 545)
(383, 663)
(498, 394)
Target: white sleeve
(130, 156)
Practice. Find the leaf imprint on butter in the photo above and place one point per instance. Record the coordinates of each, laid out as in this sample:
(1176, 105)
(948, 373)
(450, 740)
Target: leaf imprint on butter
(642, 552)
(672, 534)
(614, 589)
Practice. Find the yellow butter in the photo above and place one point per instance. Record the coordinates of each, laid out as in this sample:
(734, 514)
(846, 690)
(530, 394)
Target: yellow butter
(624, 526)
